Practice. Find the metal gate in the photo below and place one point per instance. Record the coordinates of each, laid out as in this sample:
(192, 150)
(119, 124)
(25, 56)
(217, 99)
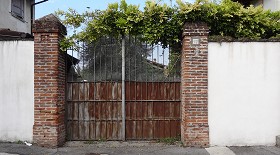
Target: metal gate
(94, 92)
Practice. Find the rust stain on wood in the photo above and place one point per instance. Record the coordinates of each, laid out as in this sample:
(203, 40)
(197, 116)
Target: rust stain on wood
(94, 110)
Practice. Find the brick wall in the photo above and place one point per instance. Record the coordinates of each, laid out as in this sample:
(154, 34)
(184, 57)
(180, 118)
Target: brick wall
(49, 82)
(194, 85)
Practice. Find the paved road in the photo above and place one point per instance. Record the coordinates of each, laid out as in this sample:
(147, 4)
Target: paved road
(132, 148)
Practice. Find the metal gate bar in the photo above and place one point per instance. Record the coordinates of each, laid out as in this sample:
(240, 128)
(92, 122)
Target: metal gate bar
(103, 103)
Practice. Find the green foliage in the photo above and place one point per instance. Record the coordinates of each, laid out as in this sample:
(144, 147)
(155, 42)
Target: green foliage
(169, 140)
(160, 23)
(20, 142)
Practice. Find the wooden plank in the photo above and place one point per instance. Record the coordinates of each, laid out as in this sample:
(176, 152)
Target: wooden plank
(167, 129)
(176, 128)
(69, 91)
(149, 89)
(161, 90)
(115, 135)
(109, 91)
(86, 131)
(97, 91)
(138, 92)
(144, 90)
(128, 129)
(86, 111)
(119, 96)
(114, 91)
(114, 110)
(150, 110)
(109, 130)
(81, 130)
(92, 131)
(69, 132)
(139, 130)
(167, 109)
(177, 109)
(178, 91)
(93, 120)
(98, 130)
(69, 110)
(146, 130)
(133, 130)
(75, 134)
(138, 110)
(170, 91)
(81, 91)
(145, 110)
(75, 91)
(81, 111)
(97, 109)
(127, 110)
(75, 110)
(158, 109)
(103, 91)
(156, 130)
(86, 91)
(103, 110)
(103, 130)
(161, 129)
(91, 90)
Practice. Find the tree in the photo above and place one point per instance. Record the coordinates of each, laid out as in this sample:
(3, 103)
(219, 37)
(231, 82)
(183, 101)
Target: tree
(102, 59)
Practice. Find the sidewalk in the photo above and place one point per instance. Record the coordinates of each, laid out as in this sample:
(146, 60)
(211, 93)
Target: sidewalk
(132, 148)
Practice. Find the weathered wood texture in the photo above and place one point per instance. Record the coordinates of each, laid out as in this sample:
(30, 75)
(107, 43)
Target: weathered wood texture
(94, 110)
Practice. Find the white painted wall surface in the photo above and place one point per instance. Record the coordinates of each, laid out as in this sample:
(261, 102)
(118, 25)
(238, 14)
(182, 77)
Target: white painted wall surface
(244, 93)
(13, 23)
(16, 90)
(273, 5)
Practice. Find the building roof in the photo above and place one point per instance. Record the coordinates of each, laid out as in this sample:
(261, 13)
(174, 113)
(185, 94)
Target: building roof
(7, 34)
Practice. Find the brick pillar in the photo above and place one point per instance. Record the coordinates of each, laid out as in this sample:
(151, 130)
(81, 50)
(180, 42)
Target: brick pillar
(194, 85)
(49, 82)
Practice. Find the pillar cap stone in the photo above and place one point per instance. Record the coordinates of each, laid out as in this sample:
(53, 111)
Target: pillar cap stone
(49, 24)
(195, 29)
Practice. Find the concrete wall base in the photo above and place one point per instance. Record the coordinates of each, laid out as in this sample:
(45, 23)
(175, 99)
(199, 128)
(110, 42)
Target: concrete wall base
(278, 141)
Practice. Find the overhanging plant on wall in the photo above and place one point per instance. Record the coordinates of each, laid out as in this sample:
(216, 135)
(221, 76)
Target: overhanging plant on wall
(162, 23)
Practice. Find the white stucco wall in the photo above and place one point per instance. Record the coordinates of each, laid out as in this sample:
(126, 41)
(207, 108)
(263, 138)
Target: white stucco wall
(244, 93)
(13, 23)
(16, 90)
(273, 5)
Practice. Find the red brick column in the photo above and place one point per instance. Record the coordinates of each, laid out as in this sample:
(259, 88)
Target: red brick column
(194, 85)
(49, 82)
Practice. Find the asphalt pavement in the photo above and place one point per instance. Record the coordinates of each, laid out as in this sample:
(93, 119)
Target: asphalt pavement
(132, 148)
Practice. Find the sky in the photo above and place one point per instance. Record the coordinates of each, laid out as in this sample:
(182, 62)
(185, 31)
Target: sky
(81, 5)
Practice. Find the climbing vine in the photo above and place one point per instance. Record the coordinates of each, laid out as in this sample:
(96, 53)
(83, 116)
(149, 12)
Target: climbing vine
(161, 23)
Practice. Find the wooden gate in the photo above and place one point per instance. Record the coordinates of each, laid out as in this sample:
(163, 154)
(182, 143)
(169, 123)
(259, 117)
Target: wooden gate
(94, 110)
(150, 108)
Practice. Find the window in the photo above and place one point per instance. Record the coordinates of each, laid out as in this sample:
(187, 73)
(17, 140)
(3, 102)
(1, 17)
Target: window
(18, 8)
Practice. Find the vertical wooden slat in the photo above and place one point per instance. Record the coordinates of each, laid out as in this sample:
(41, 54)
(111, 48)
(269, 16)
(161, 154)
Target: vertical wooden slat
(138, 129)
(91, 90)
(129, 129)
(75, 130)
(86, 121)
(81, 121)
(167, 129)
(92, 130)
(69, 91)
(98, 130)
(114, 130)
(94, 110)
(109, 130)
